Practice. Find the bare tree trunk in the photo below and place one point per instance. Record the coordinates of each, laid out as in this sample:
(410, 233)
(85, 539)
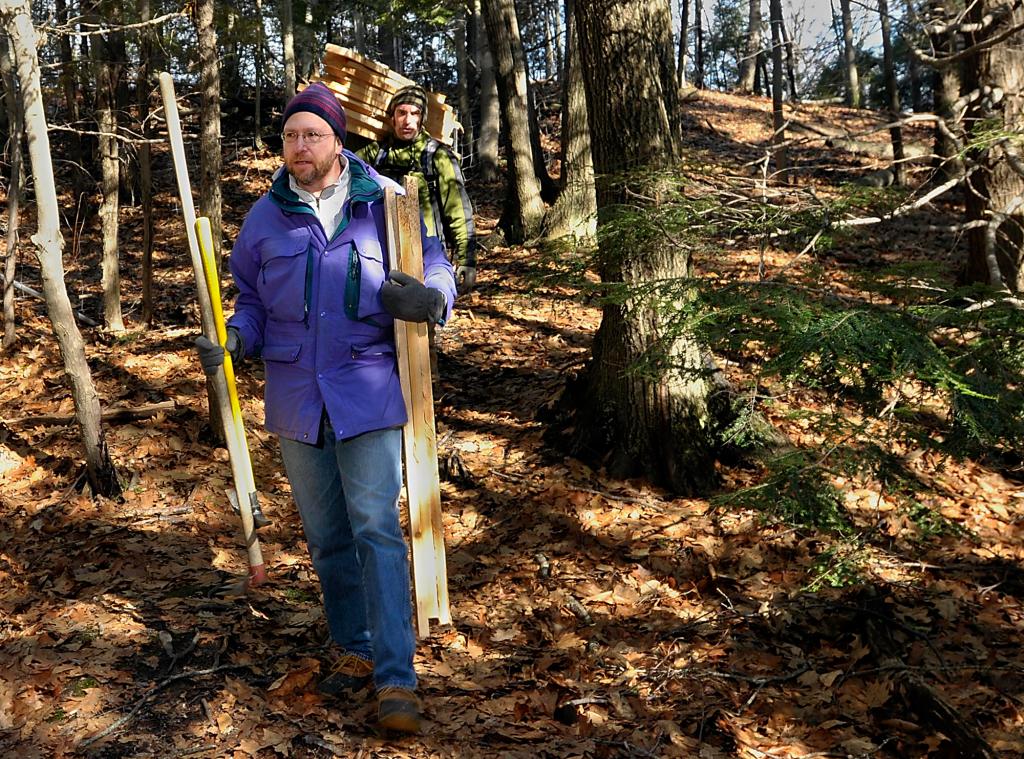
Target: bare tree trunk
(260, 64)
(209, 130)
(684, 40)
(914, 71)
(464, 84)
(14, 119)
(106, 72)
(945, 93)
(69, 84)
(778, 118)
(143, 89)
(555, 22)
(574, 214)
(288, 47)
(48, 243)
(490, 109)
(892, 92)
(748, 66)
(525, 209)
(790, 62)
(850, 57)
(996, 193)
(698, 52)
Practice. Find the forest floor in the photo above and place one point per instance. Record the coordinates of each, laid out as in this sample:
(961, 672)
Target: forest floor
(592, 617)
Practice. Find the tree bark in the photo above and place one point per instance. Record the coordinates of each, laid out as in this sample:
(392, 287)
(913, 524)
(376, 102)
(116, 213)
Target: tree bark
(524, 211)
(464, 85)
(684, 35)
(899, 170)
(209, 140)
(69, 84)
(787, 41)
(102, 476)
(490, 109)
(850, 57)
(14, 119)
(633, 422)
(574, 213)
(778, 117)
(994, 194)
(698, 44)
(143, 87)
(288, 49)
(260, 66)
(945, 92)
(107, 72)
(748, 66)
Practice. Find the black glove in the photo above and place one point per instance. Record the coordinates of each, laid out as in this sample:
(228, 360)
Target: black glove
(408, 299)
(211, 356)
(465, 278)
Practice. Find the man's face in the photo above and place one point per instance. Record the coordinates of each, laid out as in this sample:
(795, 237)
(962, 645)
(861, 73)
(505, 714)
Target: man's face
(313, 164)
(406, 120)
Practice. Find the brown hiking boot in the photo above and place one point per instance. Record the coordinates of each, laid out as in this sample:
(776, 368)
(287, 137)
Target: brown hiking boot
(349, 674)
(398, 709)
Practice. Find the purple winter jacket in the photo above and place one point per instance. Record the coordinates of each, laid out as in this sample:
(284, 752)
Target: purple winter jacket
(311, 308)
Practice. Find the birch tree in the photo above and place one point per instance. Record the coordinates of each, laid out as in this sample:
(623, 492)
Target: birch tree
(16, 16)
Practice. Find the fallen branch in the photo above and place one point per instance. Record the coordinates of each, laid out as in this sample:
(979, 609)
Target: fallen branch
(112, 415)
(36, 294)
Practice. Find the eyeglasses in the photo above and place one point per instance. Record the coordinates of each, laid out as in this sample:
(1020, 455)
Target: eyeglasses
(309, 137)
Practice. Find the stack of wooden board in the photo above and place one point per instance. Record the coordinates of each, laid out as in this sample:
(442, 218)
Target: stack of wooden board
(365, 87)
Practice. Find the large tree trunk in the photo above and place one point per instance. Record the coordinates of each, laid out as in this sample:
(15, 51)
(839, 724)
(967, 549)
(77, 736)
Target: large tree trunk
(850, 57)
(15, 121)
(489, 128)
(996, 192)
(899, 170)
(524, 211)
(209, 129)
(748, 66)
(107, 71)
(49, 244)
(574, 214)
(662, 426)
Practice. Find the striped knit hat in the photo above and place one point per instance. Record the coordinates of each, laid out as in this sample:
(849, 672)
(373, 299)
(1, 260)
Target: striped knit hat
(412, 94)
(318, 99)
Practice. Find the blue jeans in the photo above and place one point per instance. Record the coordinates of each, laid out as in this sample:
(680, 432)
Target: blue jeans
(347, 495)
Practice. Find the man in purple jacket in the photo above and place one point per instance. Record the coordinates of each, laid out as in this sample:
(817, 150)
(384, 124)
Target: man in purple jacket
(317, 303)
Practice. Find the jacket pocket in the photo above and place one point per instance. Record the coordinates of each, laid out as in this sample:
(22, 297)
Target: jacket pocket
(282, 354)
(283, 284)
(363, 281)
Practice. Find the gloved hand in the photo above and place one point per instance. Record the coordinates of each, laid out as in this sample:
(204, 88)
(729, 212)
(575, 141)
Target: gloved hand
(465, 279)
(211, 356)
(408, 299)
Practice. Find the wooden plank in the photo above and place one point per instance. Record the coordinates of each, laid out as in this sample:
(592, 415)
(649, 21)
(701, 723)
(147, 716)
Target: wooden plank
(421, 466)
(346, 52)
(423, 492)
(365, 87)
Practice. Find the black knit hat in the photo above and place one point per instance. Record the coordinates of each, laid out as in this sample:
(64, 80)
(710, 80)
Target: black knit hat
(317, 98)
(410, 95)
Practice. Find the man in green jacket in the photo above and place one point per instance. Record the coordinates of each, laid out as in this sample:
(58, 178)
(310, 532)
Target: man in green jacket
(444, 204)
